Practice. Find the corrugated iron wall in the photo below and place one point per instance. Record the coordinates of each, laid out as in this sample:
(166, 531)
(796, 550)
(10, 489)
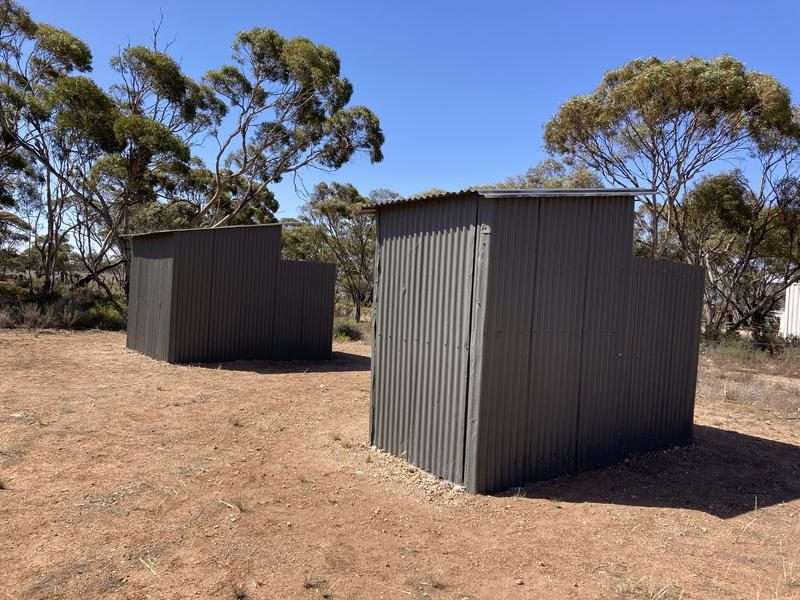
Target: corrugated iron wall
(243, 290)
(790, 319)
(194, 253)
(579, 353)
(150, 296)
(661, 350)
(304, 310)
(552, 334)
(424, 262)
(209, 295)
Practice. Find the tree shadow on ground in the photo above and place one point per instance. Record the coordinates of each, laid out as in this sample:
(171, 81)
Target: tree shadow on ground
(723, 473)
(340, 362)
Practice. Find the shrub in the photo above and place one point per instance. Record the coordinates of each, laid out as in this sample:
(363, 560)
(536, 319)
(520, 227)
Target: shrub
(98, 316)
(6, 318)
(347, 330)
(30, 315)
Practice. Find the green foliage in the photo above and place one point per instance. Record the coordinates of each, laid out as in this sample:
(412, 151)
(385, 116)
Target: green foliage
(78, 309)
(336, 211)
(718, 203)
(660, 123)
(301, 240)
(149, 135)
(289, 103)
(83, 114)
(93, 165)
(653, 96)
(549, 174)
(347, 330)
(61, 52)
(103, 315)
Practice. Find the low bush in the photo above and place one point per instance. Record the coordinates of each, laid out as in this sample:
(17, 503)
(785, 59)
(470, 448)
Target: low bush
(6, 318)
(79, 309)
(347, 330)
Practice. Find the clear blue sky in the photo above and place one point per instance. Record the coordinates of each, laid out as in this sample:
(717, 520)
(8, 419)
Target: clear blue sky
(462, 88)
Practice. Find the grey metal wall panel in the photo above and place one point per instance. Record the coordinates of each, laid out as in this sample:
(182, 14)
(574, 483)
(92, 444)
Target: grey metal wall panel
(206, 295)
(603, 345)
(151, 290)
(194, 257)
(318, 307)
(288, 320)
(662, 345)
(305, 297)
(244, 271)
(424, 268)
(497, 451)
(578, 354)
(529, 396)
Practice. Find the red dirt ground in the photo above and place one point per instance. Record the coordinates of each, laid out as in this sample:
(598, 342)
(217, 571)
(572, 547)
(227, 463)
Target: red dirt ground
(129, 478)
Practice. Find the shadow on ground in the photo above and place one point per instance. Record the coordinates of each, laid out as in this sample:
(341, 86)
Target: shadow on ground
(339, 362)
(723, 473)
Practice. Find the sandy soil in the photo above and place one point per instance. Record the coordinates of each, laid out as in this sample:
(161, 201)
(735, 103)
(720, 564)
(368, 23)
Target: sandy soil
(124, 477)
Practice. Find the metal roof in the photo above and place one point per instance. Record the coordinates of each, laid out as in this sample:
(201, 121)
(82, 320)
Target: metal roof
(518, 193)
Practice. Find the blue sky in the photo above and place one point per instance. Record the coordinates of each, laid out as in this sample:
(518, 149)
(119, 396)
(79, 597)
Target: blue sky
(462, 88)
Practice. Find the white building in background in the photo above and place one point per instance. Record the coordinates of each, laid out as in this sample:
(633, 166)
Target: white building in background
(790, 317)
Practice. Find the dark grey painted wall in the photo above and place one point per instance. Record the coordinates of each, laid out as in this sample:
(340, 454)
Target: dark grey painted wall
(211, 296)
(303, 321)
(552, 300)
(552, 333)
(150, 297)
(424, 261)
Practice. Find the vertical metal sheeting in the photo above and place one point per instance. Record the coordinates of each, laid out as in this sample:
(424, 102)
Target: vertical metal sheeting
(425, 257)
(605, 318)
(579, 353)
(209, 295)
(243, 283)
(304, 310)
(150, 305)
(553, 333)
(194, 254)
(661, 350)
(790, 319)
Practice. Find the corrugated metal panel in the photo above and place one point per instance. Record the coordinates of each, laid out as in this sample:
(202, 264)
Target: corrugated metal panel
(511, 194)
(424, 271)
(498, 437)
(662, 345)
(579, 354)
(604, 324)
(191, 298)
(149, 311)
(790, 319)
(207, 295)
(304, 310)
(548, 259)
(242, 293)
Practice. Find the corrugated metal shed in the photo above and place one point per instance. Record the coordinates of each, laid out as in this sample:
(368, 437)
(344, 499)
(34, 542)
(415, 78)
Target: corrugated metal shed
(213, 295)
(511, 331)
(790, 318)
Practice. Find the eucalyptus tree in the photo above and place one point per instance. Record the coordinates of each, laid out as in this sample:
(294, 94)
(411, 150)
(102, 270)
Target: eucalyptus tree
(661, 124)
(114, 161)
(336, 210)
(550, 173)
(287, 109)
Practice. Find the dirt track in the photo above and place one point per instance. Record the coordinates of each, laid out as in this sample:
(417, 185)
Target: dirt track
(129, 478)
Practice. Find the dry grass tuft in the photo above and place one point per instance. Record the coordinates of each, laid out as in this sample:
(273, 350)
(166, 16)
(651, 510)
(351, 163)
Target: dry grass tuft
(239, 593)
(320, 585)
(644, 590)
